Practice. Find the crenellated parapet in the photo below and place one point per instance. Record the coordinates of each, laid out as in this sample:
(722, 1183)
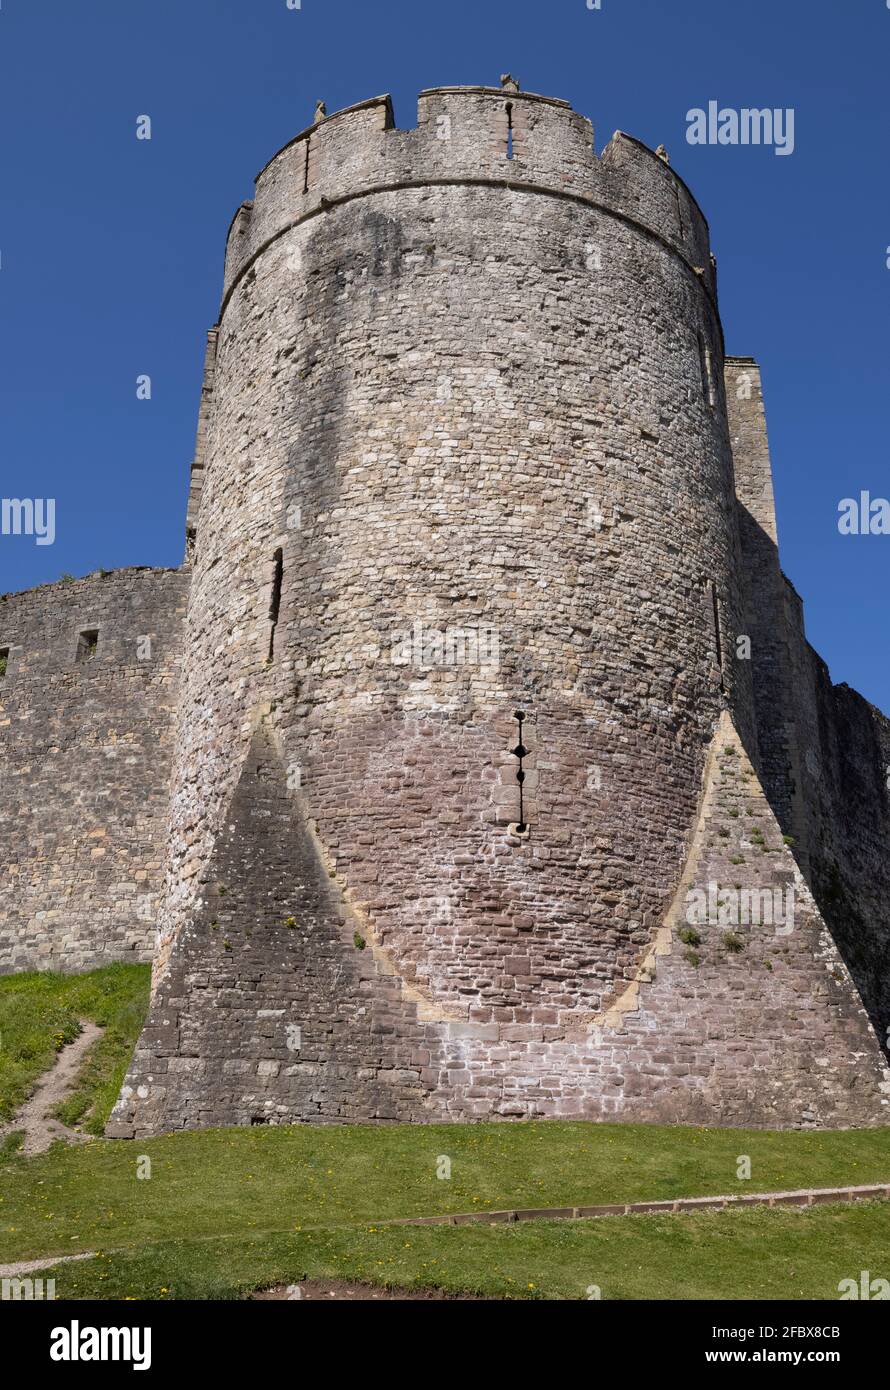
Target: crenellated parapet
(472, 136)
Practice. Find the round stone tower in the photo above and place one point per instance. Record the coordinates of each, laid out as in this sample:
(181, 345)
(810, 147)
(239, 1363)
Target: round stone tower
(467, 457)
(461, 644)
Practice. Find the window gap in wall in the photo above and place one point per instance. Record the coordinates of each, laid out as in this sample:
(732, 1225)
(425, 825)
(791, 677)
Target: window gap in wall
(509, 130)
(87, 644)
(275, 604)
(715, 621)
(707, 372)
(520, 752)
(306, 165)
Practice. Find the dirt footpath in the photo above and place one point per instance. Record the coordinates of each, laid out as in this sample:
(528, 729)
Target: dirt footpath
(340, 1290)
(35, 1116)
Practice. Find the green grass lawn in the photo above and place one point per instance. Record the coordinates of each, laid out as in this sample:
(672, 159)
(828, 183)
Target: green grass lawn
(39, 1013)
(755, 1253)
(242, 1182)
(225, 1211)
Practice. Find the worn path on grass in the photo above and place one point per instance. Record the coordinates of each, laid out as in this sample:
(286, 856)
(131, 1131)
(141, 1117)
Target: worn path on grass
(35, 1117)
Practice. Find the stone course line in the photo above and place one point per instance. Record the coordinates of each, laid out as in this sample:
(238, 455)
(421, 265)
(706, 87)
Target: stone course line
(804, 1197)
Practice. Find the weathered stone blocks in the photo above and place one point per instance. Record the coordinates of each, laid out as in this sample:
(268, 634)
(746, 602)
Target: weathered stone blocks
(467, 450)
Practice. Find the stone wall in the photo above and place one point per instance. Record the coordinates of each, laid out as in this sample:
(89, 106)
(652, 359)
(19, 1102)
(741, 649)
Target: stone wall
(85, 745)
(824, 751)
(476, 397)
(842, 835)
(466, 450)
(274, 1009)
(766, 624)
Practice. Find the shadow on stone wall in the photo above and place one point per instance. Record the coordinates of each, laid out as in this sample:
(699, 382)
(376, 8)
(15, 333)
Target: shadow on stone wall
(824, 761)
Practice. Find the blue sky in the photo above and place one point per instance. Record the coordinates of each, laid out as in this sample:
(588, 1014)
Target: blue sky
(111, 248)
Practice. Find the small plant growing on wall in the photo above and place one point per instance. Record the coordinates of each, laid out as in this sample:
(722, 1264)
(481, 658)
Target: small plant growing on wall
(358, 941)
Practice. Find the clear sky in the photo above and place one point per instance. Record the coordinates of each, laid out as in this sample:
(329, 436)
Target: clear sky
(111, 248)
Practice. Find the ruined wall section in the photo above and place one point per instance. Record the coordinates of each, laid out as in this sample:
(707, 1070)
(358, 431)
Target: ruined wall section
(85, 748)
(824, 750)
(844, 764)
(196, 476)
(766, 623)
(470, 392)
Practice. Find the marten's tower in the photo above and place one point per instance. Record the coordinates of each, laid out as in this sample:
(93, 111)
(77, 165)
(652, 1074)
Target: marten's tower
(463, 620)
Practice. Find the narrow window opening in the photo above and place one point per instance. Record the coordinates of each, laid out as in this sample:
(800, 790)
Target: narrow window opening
(703, 367)
(4, 662)
(275, 603)
(306, 165)
(715, 626)
(707, 372)
(520, 752)
(509, 130)
(87, 644)
(709, 369)
(679, 212)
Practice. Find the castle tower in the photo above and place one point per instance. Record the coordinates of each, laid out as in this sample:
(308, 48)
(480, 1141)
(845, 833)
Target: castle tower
(463, 456)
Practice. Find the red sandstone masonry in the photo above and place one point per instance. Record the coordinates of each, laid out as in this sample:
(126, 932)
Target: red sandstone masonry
(726, 1037)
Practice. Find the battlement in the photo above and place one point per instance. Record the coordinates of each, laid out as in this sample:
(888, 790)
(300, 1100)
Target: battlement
(474, 136)
(42, 629)
(73, 583)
